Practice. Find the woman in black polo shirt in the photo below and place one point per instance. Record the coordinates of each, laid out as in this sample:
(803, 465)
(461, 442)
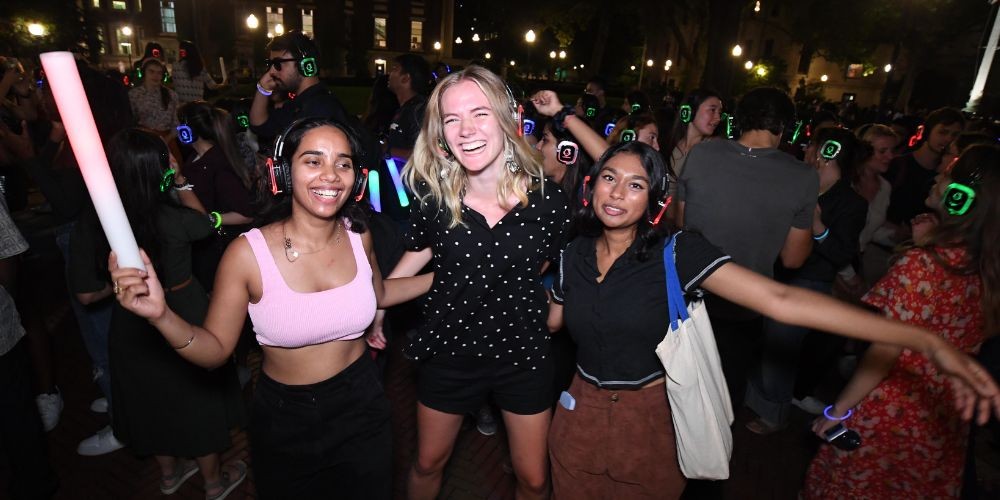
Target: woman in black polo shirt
(618, 442)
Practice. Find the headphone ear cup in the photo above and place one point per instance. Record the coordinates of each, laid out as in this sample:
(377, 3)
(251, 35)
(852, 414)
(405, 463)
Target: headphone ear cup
(360, 183)
(567, 152)
(685, 113)
(307, 66)
(281, 176)
(958, 198)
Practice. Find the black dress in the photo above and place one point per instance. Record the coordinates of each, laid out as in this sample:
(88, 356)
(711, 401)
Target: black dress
(163, 404)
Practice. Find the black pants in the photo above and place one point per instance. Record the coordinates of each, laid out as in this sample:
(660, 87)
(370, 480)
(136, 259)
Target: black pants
(326, 440)
(22, 439)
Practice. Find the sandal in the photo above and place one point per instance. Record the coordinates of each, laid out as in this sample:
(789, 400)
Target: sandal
(227, 482)
(183, 470)
(762, 427)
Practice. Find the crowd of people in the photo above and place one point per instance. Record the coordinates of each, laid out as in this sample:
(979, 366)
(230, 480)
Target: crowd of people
(530, 233)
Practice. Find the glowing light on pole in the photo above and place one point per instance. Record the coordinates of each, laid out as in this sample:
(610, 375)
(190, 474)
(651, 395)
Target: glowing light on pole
(748, 65)
(824, 78)
(279, 29)
(530, 36)
(252, 22)
(35, 29)
(737, 50)
(74, 109)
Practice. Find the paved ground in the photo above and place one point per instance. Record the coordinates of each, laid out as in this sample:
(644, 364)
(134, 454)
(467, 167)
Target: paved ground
(763, 467)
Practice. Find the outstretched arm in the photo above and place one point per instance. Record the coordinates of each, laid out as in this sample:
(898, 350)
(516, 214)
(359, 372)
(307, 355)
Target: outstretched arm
(547, 103)
(797, 306)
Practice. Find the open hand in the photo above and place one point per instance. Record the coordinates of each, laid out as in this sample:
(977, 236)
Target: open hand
(976, 393)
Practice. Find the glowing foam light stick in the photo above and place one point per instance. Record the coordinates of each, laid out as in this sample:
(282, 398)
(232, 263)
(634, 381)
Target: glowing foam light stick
(64, 78)
(397, 181)
(222, 65)
(374, 194)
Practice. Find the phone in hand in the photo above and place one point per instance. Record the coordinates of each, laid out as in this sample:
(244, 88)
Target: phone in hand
(843, 438)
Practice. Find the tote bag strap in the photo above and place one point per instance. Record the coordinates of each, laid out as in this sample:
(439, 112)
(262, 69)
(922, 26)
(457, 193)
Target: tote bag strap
(675, 295)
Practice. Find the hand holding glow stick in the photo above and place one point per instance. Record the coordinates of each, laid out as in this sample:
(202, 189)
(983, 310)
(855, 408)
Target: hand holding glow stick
(74, 108)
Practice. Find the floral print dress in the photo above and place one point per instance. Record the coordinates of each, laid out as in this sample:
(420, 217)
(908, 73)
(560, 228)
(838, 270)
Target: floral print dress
(913, 439)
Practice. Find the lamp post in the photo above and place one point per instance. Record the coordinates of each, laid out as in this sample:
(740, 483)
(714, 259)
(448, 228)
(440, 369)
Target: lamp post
(127, 32)
(36, 30)
(529, 37)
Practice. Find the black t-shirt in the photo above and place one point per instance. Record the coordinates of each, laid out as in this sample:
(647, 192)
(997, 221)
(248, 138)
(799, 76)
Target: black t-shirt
(487, 298)
(911, 183)
(315, 101)
(405, 126)
(618, 322)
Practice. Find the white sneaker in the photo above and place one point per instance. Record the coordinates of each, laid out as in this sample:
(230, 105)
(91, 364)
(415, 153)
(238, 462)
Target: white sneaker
(49, 407)
(99, 444)
(810, 405)
(100, 405)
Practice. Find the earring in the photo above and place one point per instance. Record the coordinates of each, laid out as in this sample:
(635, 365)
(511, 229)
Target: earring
(509, 160)
(447, 167)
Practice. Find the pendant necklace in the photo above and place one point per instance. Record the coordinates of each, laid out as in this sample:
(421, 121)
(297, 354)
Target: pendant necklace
(292, 254)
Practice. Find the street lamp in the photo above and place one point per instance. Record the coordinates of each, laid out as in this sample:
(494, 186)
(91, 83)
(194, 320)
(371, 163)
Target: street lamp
(632, 67)
(887, 68)
(127, 31)
(279, 29)
(824, 78)
(252, 22)
(552, 55)
(512, 62)
(35, 29)
(649, 63)
(762, 72)
(475, 37)
(737, 50)
(748, 65)
(489, 56)
(437, 45)
(458, 40)
(530, 36)
(562, 54)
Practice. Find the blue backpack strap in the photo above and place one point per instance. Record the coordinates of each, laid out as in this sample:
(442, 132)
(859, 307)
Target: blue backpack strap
(675, 294)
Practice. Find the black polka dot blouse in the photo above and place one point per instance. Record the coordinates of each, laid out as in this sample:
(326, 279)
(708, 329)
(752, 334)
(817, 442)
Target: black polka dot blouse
(487, 299)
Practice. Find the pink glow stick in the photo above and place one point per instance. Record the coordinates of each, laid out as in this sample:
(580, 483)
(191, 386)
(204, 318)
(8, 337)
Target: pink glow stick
(74, 108)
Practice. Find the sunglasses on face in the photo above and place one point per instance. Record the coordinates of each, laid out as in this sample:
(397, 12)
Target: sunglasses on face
(276, 63)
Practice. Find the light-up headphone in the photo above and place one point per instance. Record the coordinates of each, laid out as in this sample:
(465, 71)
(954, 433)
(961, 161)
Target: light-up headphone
(529, 126)
(830, 149)
(628, 135)
(917, 137)
(184, 132)
(567, 152)
(959, 197)
(685, 113)
(609, 129)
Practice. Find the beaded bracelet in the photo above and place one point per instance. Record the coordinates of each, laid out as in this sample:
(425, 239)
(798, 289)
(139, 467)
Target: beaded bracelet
(263, 91)
(826, 413)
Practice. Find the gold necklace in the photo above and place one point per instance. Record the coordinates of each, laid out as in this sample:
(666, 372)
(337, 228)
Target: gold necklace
(292, 254)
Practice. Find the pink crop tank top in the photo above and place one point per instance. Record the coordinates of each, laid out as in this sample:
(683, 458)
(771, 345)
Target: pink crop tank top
(286, 318)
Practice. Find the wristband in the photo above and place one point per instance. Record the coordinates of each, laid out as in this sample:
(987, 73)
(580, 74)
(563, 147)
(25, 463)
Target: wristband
(822, 236)
(183, 187)
(216, 219)
(263, 91)
(826, 413)
(559, 120)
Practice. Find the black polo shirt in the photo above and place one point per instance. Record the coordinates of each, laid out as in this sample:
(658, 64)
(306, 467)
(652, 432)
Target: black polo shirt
(618, 322)
(315, 101)
(487, 298)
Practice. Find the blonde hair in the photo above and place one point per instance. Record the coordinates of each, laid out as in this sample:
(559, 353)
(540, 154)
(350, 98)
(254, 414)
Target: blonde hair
(876, 130)
(426, 163)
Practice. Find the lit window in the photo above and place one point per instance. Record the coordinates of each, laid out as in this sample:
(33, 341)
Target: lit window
(138, 5)
(380, 32)
(96, 4)
(855, 70)
(125, 48)
(275, 16)
(100, 40)
(307, 22)
(168, 21)
(416, 35)
(119, 5)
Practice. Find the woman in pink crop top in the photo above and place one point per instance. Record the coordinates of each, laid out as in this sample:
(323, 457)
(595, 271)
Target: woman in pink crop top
(320, 425)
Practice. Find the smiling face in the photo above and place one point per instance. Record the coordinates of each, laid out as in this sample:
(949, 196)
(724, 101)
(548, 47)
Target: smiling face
(621, 192)
(883, 151)
(471, 127)
(322, 171)
(708, 116)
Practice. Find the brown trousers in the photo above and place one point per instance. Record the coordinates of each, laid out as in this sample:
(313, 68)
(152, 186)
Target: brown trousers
(615, 444)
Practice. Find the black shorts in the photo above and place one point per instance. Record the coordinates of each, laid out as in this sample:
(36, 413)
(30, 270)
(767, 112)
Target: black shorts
(463, 384)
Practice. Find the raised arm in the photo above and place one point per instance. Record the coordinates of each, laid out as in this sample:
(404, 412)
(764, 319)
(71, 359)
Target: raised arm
(547, 103)
(208, 346)
(801, 307)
